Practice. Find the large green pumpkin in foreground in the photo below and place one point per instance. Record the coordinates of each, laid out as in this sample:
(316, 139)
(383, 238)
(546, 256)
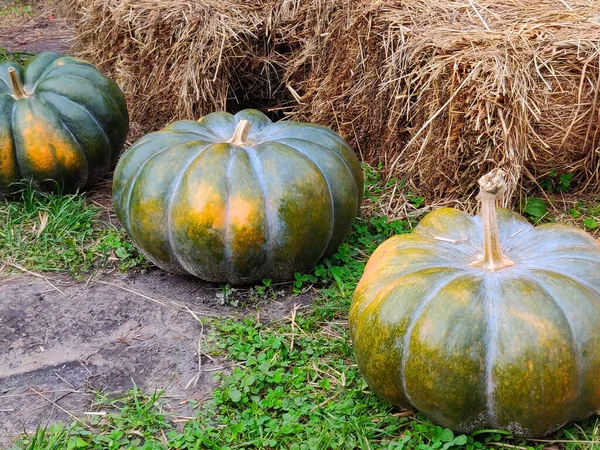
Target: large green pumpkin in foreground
(508, 340)
(238, 198)
(62, 123)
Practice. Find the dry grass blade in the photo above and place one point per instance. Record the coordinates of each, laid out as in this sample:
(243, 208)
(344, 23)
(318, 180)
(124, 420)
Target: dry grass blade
(53, 403)
(43, 223)
(34, 274)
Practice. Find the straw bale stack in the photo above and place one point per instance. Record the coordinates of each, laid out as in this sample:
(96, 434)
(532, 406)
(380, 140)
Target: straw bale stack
(178, 58)
(436, 91)
(442, 91)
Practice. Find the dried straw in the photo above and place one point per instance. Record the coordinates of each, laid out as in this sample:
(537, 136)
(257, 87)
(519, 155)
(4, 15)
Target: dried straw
(176, 59)
(436, 91)
(442, 91)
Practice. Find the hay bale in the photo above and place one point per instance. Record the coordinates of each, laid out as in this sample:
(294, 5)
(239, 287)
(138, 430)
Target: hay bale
(177, 58)
(442, 91)
(438, 92)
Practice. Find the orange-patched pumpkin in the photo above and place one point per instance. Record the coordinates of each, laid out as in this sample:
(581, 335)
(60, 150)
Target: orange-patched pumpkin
(507, 338)
(238, 198)
(62, 123)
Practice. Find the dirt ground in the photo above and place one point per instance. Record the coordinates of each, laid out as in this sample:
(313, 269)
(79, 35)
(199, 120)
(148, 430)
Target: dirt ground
(45, 32)
(62, 341)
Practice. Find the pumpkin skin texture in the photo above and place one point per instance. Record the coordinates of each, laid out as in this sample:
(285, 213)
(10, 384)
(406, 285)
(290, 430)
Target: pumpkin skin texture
(266, 206)
(66, 130)
(516, 349)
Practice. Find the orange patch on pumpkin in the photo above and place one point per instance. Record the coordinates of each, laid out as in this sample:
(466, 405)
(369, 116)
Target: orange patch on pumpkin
(244, 221)
(151, 211)
(8, 160)
(241, 212)
(45, 148)
(208, 207)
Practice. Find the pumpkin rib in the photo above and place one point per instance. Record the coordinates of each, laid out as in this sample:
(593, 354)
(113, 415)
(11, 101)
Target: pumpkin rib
(203, 134)
(427, 250)
(560, 307)
(116, 107)
(77, 145)
(329, 190)
(49, 118)
(593, 288)
(11, 159)
(108, 148)
(13, 135)
(87, 111)
(46, 73)
(8, 86)
(47, 69)
(228, 234)
(215, 122)
(174, 191)
(490, 348)
(389, 287)
(135, 172)
(411, 326)
(270, 217)
(543, 235)
(570, 257)
(285, 125)
(131, 184)
(343, 160)
(349, 158)
(447, 248)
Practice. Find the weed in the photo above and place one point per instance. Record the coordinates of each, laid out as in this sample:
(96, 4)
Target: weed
(132, 421)
(535, 209)
(226, 295)
(556, 182)
(262, 289)
(18, 57)
(588, 214)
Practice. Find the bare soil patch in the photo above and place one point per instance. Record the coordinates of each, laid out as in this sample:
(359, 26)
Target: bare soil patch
(44, 33)
(63, 342)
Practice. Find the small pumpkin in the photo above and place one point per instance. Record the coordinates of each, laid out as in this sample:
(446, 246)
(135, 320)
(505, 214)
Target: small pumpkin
(238, 198)
(62, 122)
(508, 339)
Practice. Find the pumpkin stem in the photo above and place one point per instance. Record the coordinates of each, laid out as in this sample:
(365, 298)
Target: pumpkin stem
(240, 134)
(491, 186)
(15, 84)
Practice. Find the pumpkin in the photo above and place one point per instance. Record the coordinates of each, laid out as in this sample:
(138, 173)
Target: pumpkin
(237, 199)
(62, 123)
(505, 338)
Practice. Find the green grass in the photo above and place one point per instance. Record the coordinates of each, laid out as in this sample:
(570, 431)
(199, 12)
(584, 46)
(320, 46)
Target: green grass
(61, 233)
(294, 383)
(18, 57)
(17, 8)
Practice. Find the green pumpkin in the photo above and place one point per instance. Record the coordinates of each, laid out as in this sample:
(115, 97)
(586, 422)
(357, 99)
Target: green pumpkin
(62, 123)
(238, 199)
(510, 340)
